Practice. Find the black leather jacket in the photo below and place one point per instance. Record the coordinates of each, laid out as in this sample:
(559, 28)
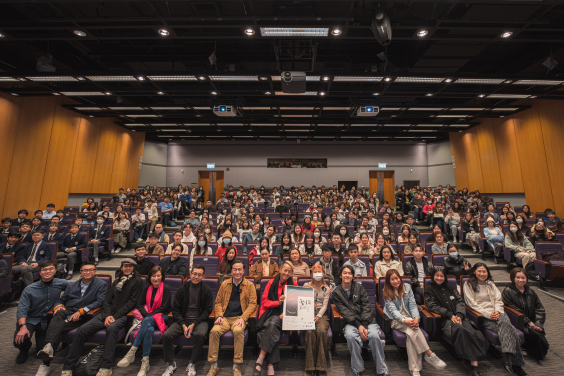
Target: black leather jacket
(528, 303)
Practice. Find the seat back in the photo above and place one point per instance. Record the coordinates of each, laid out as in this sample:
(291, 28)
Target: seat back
(371, 288)
(423, 236)
(213, 284)
(155, 259)
(106, 278)
(245, 260)
(187, 260)
(438, 259)
(210, 262)
(174, 282)
(54, 246)
(144, 279)
(545, 247)
(9, 259)
(263, 282)
(429, 247)
(463, 279)
(164, 245)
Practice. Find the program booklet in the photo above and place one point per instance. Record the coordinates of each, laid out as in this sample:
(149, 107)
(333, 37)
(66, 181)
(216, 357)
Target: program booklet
(299, 309)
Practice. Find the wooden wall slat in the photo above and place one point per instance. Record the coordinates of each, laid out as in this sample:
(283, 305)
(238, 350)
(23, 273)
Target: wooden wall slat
(488, 156)
(472, 157)
(85, 155)
(133, 171)
(10, 108)
(532, 157)
(508, 155)
(105, 156)
(30, 153)
(124, 145)
(457, 150)
(59, 166)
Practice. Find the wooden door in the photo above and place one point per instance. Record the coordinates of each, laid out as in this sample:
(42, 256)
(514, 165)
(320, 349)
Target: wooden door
(389, 192)
(219, 183)
(204, 182)
(373, 182)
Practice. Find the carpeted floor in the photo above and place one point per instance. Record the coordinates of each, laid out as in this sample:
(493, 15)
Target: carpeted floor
(290, 366)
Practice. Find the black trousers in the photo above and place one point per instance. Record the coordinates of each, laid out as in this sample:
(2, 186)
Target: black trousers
(419, 291)
(199, 333)
(90, 328)
(167, 217)
(39, 337)
(536, 343)
(58, 327)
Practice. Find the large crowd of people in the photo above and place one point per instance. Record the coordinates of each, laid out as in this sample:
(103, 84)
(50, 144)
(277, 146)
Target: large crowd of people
(286, 234)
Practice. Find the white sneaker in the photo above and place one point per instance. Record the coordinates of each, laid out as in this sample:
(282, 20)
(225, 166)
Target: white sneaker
(169, 370)
(191, 369)
(117, 250)
(414, 373)
(43, 370)
(435, 361)
(139, 240)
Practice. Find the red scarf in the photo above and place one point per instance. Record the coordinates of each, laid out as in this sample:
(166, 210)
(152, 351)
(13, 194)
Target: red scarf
(156, 304)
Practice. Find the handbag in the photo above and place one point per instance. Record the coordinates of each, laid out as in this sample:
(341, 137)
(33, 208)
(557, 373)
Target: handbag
(90, 364)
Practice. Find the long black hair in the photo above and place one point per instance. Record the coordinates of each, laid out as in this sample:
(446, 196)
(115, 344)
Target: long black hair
(473, 280)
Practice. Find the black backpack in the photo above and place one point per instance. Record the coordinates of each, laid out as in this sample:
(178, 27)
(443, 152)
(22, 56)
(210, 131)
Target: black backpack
(61, 271)
(90, 364)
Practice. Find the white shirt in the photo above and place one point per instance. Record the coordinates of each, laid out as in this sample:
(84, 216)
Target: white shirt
(47, 215)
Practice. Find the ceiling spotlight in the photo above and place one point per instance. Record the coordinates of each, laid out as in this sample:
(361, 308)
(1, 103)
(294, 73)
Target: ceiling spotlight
(202, 78)
(267, 93)
(91, 115)
(164, 32)
(80, 33)
(141, 78)
(533, 96)
(263, 78)
(2, 35)
(15, 94)
(422, 33)
(508, 81)
(56, 94)
(108, 93)
(325, 78)
(80, 78)
(336, 32)
(502, 116)
(448, 80)
(22, 79)
(429, 94)
(160, 93)
(507, 34)
(387, 79)
(321, 93)
(481, 95)
(213, 93)
(375, 93)
(249, 32)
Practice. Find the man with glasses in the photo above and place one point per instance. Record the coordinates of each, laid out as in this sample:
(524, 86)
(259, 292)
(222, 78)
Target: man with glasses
(37, 299)
(79, 298)
(192, 306)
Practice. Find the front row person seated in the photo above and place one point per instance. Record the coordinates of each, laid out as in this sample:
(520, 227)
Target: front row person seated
(153, 309)
(269, 324)
(467, 340)
(400, 306)
(120, 300)
(482, 295)
(30, 256)
(79, 298)
(236, 301)
(72, 242)
(192, 306)
(522, 298)
(417, 269)
(36, 300)
(353, 304)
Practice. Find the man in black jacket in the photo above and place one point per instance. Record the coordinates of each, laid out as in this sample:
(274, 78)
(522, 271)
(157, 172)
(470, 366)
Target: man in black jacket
(53, 234)
(412, 268)
(120, 300)
(353, 304)
(99, 233)
(192, 306)
(72, 242)
(12, 245)
(143, 264)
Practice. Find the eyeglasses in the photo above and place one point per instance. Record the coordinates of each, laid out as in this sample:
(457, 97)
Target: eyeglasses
(88, 270)
(48, 269)
(197, 275)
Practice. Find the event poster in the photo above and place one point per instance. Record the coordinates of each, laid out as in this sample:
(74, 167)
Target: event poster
(299, 309)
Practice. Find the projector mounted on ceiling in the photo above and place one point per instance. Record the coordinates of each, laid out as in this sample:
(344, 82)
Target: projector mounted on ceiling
(226, 110)
(367, 111)
(293, 82)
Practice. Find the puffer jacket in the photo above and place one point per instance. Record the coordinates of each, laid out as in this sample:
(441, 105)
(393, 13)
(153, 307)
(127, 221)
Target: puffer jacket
(356, 309)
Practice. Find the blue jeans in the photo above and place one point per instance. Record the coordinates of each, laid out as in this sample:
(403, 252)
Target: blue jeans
(376, 345)
(145, 334)
(416, 213)
(138, 233)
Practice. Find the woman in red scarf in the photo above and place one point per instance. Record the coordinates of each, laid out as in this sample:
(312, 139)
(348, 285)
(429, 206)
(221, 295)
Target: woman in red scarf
(153, 309)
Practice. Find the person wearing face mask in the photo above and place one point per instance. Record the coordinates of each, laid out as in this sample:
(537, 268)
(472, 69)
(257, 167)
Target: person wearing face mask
(455, 264)
(389, 235)
(521, 297)
(316, 340)
(316, 219)
(429, 209)
(319, 240)
(521, 248)
(99, 236)
(494, 236)
(521, 221)
(541, 233)
(201, 248)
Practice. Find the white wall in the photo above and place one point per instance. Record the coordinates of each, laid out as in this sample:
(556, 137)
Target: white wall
(179, 162)
(155, 159)
(439, 159)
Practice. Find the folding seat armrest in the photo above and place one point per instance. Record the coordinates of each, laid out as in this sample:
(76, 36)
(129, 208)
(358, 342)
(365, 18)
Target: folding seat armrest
(384, 321)
(337, 323)
(516, 317)
(252, 323)
(474, 316)
(543, 268)
(426, 320)
(435, 315)
(94, 311)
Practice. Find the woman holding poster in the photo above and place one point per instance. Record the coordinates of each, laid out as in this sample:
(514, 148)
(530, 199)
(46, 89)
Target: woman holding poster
(269, 325)
(316, 340)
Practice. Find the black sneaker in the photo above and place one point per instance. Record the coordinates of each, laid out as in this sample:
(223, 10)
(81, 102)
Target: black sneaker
(519, 371)
(22, 356)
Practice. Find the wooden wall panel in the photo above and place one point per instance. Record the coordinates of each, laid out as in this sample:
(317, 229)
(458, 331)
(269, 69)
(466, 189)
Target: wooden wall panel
(372, 182)
(551, 115)
(30, 153)
(472, 157)
(457, 150)
(488, 156)
(133, 171)
(124, 145)
(532, 157)
(105, 156)
(389, 192)
(85, 155)
(508, 155)
(10, 108)
(60, 159)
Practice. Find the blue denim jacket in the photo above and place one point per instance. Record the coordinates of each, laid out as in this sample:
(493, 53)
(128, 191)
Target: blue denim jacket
(39, 298)
(392, 308)
(492, 236)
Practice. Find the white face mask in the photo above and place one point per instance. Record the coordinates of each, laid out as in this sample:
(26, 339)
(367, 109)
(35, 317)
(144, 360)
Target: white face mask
(385, 232)
(316, 234)
(343, 232)
(100, 221)
(318, 276)
(519, 220)
(207, 231)
(513, 229)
